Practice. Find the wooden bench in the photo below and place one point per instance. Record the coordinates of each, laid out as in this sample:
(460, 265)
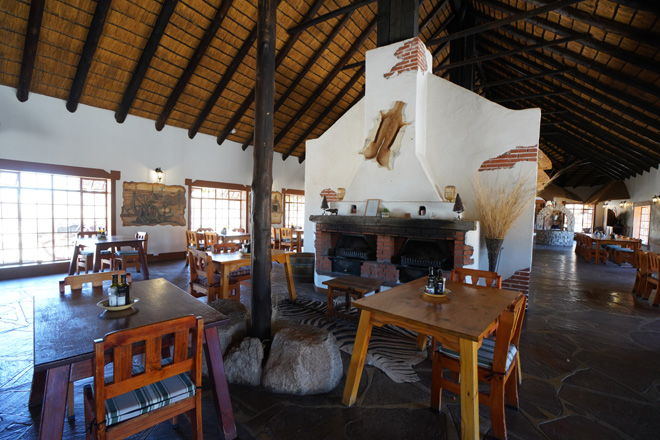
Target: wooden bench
(351, 286)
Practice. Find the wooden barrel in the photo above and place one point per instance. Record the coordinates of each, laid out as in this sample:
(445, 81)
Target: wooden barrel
(302, 267)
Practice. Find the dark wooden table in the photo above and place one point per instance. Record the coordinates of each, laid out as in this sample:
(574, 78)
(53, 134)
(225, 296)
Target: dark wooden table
(66, 325)
(460, 321)
(350, 285)
(107, 243)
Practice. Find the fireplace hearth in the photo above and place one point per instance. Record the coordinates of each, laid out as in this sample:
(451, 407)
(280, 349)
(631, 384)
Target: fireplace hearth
(351, 252)
(418, 255)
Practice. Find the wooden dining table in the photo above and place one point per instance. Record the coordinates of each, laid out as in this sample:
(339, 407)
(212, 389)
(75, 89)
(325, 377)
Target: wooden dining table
(461, 320)
(632, 243)
(227, 262)
(65, 326)
(112, 241)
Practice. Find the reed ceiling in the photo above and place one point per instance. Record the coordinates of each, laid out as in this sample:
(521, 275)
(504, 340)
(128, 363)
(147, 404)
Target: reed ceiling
(592, 66)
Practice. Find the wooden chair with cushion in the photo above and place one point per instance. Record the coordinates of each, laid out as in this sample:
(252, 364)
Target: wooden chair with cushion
(640, 275)
(130, 257)
(286, 240)
(225, 248)
(134, 397)
(204, 280)
(496, 360)
(86, 257)
(590, 251)
(210, 238)
(192, 242)
(653, 277)
(491, 279)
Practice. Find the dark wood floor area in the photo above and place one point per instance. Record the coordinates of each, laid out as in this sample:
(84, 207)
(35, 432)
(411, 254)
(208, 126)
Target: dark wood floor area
(590, 355)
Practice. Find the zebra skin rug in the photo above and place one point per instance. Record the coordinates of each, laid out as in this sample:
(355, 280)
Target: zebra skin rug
(391, 349)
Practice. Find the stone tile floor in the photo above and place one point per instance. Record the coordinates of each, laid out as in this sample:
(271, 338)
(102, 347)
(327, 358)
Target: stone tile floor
(590, 356)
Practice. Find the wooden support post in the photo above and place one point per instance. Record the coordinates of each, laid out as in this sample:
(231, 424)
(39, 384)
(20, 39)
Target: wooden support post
(262, 174)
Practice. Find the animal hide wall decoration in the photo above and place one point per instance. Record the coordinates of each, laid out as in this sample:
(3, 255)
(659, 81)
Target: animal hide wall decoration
(384, 141)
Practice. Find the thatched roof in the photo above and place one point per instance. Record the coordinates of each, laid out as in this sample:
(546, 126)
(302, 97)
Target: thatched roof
(593, 67)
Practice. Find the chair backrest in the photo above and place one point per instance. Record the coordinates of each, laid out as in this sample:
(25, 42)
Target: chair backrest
(653, 262)
(204, 229)
(143, 236)
(241, 230)
(97, 278)
(185, 334)
(191, 239)
(201, 266)
(508, 332)
(210, 238)
(642, 262)
(87, 234)
(225, 248)
(286, 234)
(491, 279)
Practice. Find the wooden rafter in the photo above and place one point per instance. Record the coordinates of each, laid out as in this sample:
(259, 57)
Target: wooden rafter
(332, 14)
(145, 59)
(526, 78)
(30, 49)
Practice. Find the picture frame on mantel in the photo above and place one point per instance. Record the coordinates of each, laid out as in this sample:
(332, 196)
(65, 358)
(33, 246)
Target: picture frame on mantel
(371, 210)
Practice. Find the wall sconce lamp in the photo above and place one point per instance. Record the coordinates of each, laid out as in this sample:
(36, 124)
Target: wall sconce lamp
(656, 199)
(159, 174)
(622, 204)
(606, 203)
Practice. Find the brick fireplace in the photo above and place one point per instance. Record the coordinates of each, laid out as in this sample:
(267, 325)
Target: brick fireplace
(390, 236)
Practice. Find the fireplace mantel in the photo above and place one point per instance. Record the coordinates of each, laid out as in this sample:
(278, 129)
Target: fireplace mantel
(398, 222)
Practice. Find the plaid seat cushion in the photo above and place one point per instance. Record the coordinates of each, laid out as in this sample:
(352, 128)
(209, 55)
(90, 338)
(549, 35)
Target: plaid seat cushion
(626, 250)
(241, 271)
(148, 398)
(654, 275)
(217, 280)
(127, 253)
(485, 354)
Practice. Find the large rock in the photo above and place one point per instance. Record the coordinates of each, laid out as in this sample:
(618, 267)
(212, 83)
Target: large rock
(243, 363)
(235, 330)
(303, 360)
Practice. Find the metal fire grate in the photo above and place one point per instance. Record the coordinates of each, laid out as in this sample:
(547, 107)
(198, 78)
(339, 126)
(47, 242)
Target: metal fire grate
(420, 262)
(351, 253)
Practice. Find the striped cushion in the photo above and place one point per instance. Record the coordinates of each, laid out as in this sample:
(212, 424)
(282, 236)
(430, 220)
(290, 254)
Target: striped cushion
(654, 275)
(485, 354)
(241, 271)
(148, 398)
(217, 280)
(127, 253)
(626, 250)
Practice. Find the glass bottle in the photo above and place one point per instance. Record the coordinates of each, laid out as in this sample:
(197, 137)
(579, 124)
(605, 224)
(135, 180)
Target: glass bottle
(123, 292)
(430, 284)
(112, 291)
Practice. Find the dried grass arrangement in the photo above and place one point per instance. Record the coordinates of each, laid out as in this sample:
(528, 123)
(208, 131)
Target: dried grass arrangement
(499, 205)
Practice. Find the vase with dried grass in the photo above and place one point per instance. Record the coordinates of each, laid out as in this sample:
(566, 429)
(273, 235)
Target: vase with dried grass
(499, 205)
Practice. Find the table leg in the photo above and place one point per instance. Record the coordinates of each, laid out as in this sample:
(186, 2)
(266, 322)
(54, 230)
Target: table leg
(331, 304)
(422, 340)
(469, 390)
(357, 359)
(216, 367)
(74, 260)
(97, 259)
(54, 404)
(289, 278)
(144, 267)
(224, 286)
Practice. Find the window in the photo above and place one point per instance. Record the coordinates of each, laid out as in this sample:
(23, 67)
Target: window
(584, 216)
(294, 208)
(41, 213)
(218, 205)
(642, 223)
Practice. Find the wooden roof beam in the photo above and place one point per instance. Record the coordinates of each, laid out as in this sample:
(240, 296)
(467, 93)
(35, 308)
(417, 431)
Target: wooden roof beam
(356, 76)
(194, 61)
(281, 56)
(89, 49)
(30, 49)
(539, 95)
(347, 56)
(434, 13)
(145, 59)
(588, 41)
(332, 14)
(504, 21)
(602, 23)
(527, 77)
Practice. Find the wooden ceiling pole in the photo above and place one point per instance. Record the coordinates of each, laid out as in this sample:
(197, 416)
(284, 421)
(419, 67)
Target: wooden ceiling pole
(539, 95)
(332, 14)
(357, 75)
(89, 49)
(281, 56)
(526, 78)
(30, 49)
(145, 59)
(262, 171)
(310, 63)
(328, 79)
(194, 61)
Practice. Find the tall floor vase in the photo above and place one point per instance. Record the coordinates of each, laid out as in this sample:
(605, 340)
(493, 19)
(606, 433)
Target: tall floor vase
(494, 247)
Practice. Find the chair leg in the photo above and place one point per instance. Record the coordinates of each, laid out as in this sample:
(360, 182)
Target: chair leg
(511, 388)
(436, 382)
(497, 407)
(196, 420)
(70, 412)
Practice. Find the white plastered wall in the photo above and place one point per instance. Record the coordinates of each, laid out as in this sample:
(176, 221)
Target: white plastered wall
(42, 130)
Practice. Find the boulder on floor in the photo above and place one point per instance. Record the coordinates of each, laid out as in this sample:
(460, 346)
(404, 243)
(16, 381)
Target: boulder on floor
(303, 360)
(243, 363)
(235, 330)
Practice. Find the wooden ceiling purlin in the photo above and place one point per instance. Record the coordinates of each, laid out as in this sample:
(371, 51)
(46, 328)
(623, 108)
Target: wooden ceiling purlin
(30, 49)
(525, 77)
(332, 14)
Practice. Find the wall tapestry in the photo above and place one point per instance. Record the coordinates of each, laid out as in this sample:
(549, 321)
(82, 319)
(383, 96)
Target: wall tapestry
(384, 140)
(276, 207)
(153, 204)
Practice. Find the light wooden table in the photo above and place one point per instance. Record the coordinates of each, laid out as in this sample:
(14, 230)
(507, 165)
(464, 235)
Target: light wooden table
(228, 262)
(632, 243)
(469, 314)
(350, 285)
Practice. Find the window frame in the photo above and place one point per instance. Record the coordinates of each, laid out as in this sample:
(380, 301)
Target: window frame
(592, 208)
(296, 192)
(219, 185)
(636, 222)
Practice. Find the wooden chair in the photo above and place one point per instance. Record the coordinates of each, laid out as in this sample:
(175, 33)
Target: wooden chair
(274, 237)
(653, 277)
(86, 257)
(497, 362)
(204, 280)
(210, 238)
(590, 252)
(131, 258)
(491, 279)
(286, 240)
(225, 248)
(192, 242)
(172, 384)
(640, 275)
(96, 279)
(241, 230)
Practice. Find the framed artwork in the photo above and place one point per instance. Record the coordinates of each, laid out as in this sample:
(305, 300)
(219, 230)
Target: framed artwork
(371, 210)
(153, 204)
(276, 207)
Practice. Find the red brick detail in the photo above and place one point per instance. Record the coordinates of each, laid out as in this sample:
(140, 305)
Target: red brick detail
(380, 270)
(330, 195)
(510, 158)
(412, 55)
(518, 281)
